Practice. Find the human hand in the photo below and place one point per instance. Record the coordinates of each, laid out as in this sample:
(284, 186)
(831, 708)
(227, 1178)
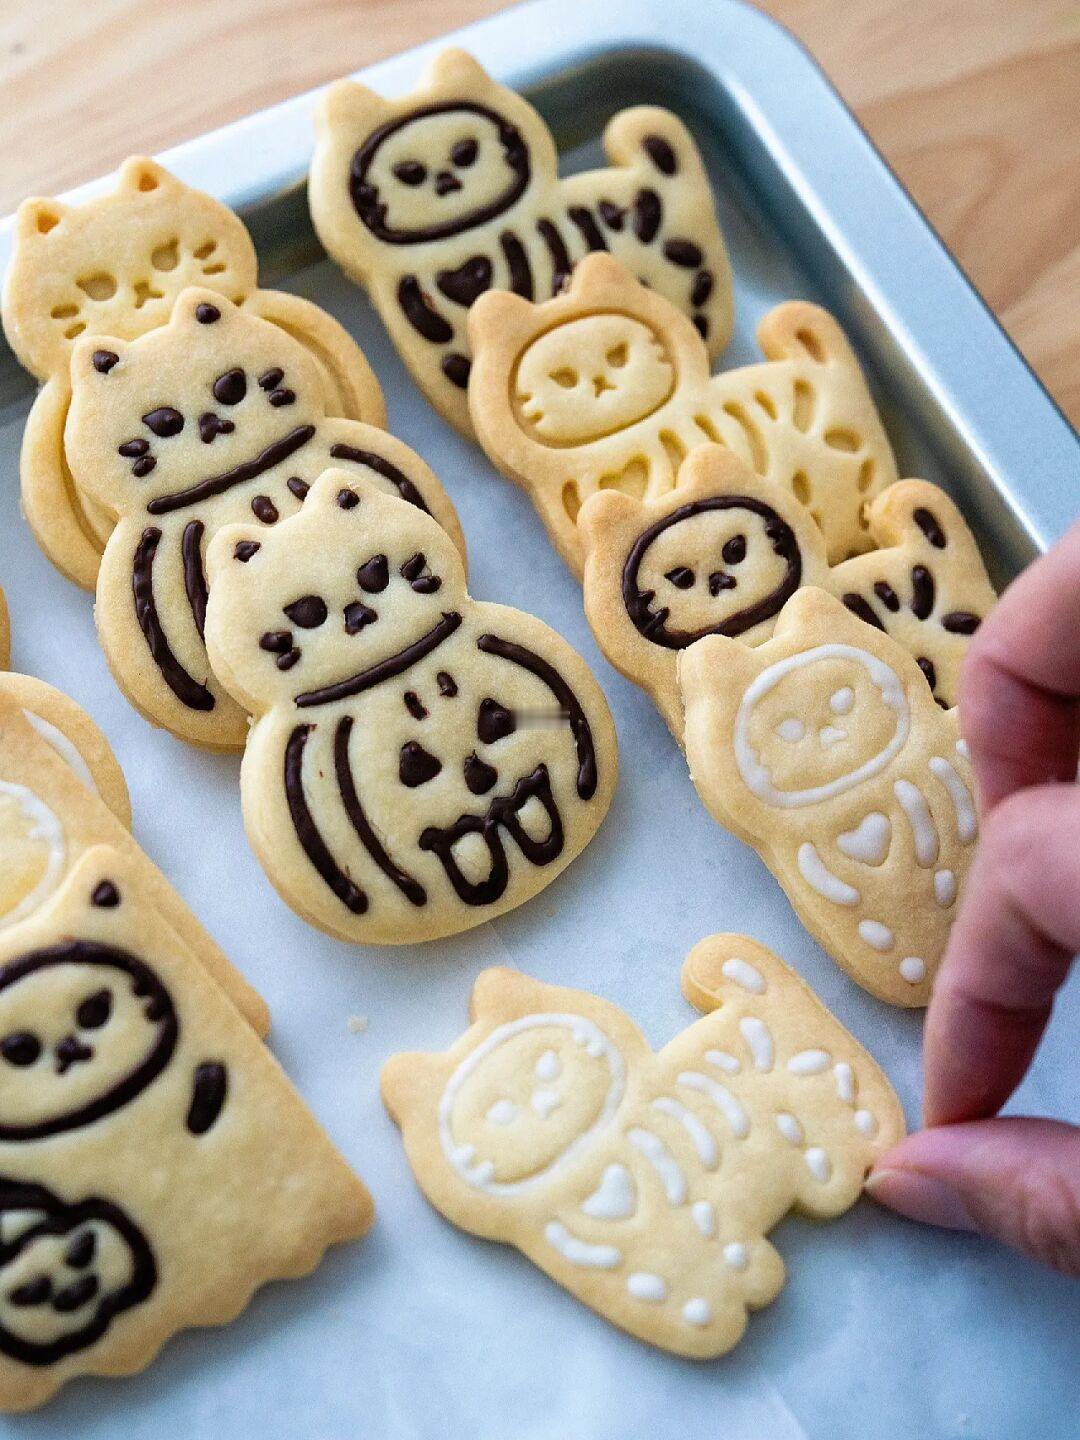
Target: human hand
(1014, 940)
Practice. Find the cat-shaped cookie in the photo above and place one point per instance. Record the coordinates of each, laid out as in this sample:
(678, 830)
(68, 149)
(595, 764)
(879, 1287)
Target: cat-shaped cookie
(824, 749)
(646, 1183)
(420, 762)
(723, 552)
(114, 265)
(926, 586)
(434, 198)
(156, 1166)
(215, 416)
(607, 386)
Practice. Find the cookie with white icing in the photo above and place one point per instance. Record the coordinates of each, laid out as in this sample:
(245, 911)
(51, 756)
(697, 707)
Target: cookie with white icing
(215, 417)
(643, 1183)
(926, 585)
(452, 191)
(420, 761)
(824, 749)
(49, 818)
(156, 1166)
(723, 552)
(73, 735)
(115, 265)
(607, 387)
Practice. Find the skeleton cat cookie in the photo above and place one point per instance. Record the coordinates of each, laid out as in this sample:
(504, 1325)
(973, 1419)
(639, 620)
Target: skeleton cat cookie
(926, 586)
(49, 818)
(214, 417)
(824, 749)
(156, 1166)
(420, 762)
(115, 265)
(644, 1183)
(433, 199)
(607, 387)
(724, 551)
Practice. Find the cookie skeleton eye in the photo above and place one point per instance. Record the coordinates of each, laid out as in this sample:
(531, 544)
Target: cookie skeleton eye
(94, 1011)
(565, 377)
(618, 355)
(734, 551)
(463, 153)
(410, 172)
(20, 1048)
(792, 730)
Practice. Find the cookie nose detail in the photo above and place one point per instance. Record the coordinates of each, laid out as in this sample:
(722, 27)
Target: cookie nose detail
(71, 1051)
(600, 384)
(445, 183)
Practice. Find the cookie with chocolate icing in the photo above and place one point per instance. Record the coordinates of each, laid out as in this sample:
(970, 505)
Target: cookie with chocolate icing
(824, 749)
(156, 1167)
(723, 552)
(720, 554)
(214, 417)
(114, 265)
(434, 199)
(420, 761)
(50, 817)
(644, 1183)
(607, 387)
(926, 585)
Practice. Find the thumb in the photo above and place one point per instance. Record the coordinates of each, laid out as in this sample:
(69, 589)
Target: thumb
(1016, 1180)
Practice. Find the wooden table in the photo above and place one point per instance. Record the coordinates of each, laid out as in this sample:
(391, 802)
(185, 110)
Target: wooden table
(974, 103)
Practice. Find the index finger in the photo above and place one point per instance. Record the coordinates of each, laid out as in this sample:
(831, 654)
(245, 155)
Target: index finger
(1020, 689)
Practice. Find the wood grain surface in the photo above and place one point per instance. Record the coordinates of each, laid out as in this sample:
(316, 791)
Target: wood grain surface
(974, 103)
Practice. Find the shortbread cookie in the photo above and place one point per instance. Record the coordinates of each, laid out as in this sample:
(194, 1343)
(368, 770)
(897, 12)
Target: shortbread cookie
(646, 1184)
(824, 749)
(75, 738)
(726, 549)
(49, 819)
(114, 266)
(927, 586)
(420, 762)
(607, 387)
(432, 199)
(720, 554)
(212, 418)
(157, 1166)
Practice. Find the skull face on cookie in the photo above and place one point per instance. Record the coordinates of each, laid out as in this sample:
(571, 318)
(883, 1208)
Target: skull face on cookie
(217, 416)
(421, 761)
(721, 554)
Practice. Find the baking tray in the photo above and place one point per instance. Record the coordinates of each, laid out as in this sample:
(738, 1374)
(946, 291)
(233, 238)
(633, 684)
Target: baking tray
(883, 1329)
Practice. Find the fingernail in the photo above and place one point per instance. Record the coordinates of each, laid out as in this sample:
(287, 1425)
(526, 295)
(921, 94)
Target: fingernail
(919, 1197)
